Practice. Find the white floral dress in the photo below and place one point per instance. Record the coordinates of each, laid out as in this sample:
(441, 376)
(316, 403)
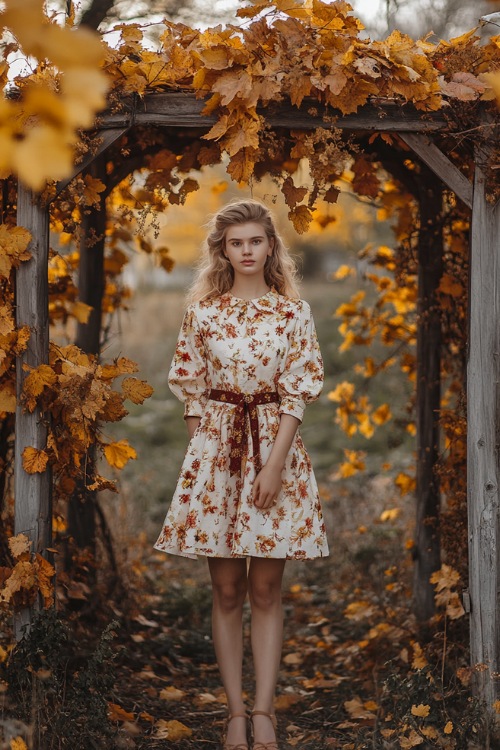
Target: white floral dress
(246, 347)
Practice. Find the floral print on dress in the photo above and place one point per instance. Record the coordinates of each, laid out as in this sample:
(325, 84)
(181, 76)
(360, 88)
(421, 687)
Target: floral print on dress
(244, 346)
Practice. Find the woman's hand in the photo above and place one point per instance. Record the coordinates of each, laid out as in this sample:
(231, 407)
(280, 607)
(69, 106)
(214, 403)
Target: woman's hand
(267, 487)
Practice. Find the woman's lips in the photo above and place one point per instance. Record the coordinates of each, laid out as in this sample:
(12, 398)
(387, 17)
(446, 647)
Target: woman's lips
(248, 262)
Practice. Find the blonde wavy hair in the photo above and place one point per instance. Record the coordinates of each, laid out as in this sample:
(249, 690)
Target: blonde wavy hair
(215, 274)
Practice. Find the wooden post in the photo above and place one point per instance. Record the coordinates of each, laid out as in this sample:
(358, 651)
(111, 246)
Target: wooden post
(91, 285)
(430, 269)
(33, 512)
(483, 441)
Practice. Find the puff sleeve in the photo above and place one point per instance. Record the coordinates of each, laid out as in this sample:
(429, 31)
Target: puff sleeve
(302, 378)
(187, 375)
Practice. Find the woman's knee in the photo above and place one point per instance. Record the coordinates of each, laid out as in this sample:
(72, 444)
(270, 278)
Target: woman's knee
(229, 595)
(264, 594)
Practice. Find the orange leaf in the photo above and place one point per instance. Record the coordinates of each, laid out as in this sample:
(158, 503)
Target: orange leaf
(34, 460)
(117, 713)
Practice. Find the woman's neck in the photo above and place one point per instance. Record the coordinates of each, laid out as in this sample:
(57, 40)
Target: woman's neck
(249, 289)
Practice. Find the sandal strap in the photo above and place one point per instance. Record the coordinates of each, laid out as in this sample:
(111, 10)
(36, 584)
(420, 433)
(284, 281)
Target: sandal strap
(272, 717)
(236, 716)
(265, 745)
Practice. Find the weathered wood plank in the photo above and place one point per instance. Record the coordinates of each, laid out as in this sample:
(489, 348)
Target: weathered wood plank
(440, 165)
(33, 513)
(182, 109)
(430, 269)
(105, 138)
(483, 441)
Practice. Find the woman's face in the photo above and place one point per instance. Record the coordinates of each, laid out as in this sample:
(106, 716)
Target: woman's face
(247, 247)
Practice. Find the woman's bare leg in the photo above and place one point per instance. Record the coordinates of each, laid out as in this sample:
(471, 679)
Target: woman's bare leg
(264, 587)
(229, 587)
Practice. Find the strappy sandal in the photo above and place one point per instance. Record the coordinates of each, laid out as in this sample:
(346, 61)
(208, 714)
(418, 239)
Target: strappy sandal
(241, 745)
(264, 745)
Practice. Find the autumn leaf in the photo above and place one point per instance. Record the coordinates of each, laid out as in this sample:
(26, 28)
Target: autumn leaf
(34, 460)
(413, 740)
(405, 483)
(45, 574)
(92, 190)
(19, 545)
(81, 311)
(35, 382)
(17, 743)
(358, 710)
(119, 453)
(171, 693)
(421, 710)
(14, 242)
(293, 195)
(172, 730)
(101, 483)
(23, 576)
(117, 713)
(300, 217)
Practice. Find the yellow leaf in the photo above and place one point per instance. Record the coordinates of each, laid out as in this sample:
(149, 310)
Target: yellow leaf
(448, 729)
(390, 514)
(382, 414)
(81, 311)
(421, 710)
(171, 693)
(405, 483)
(172, 730)
(7, 399)
(136, 390)
(44, 154)
(34, 460)
(18, 744)
(118, 454)
(343, 272)
(14, 242)
(19, 545)
(419, 661)
(496, 707)
(6, 320)
(344, 391)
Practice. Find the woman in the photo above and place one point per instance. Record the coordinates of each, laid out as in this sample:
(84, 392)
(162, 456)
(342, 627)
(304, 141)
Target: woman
(247, 362)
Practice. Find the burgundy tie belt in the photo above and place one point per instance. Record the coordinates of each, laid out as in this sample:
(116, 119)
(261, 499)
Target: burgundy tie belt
(246, 403)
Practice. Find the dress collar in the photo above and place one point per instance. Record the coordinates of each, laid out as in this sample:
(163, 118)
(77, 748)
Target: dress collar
(266, 302)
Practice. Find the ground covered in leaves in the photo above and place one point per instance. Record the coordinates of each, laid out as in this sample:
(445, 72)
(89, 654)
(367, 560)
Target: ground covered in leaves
(135, 669)
(357, 672)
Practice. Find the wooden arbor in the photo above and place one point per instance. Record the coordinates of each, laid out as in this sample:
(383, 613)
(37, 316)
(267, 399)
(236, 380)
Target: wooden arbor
(182, 110)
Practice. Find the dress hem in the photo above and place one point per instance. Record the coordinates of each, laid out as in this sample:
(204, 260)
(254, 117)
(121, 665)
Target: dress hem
(195, 554)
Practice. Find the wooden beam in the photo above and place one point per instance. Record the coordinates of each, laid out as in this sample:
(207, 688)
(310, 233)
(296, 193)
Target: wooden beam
(105, 139)
(183, 109)
(483, 441)
(439, 163)
(430, 269)
(33, 508)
